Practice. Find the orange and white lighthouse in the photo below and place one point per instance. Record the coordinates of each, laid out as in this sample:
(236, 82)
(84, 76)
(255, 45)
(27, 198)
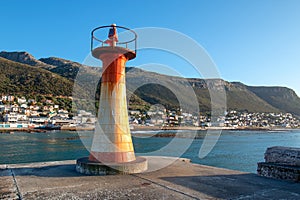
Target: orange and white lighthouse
(112, 144)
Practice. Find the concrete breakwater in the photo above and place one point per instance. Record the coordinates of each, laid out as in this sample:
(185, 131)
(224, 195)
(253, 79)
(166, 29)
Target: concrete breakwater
(178, 180)
(281, 163)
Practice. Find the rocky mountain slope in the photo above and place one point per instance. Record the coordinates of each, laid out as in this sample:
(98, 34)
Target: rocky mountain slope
(18, 78)
(282, 98)
(25, 58)
(144, 88)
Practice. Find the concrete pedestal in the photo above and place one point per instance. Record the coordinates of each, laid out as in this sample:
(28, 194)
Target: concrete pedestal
(85, 166)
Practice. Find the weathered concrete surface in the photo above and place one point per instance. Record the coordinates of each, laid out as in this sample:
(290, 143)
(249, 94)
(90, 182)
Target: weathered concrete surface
(180, 180)
(8, 188)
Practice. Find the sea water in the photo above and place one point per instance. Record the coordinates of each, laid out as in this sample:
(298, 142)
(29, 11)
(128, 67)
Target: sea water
(238, 150)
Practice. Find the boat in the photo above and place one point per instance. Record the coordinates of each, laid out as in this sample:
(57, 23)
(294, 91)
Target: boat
(49, 127)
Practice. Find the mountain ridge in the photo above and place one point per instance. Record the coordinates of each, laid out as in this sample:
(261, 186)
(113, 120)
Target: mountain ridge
(154, 89)
(25, 58)
(22, 78)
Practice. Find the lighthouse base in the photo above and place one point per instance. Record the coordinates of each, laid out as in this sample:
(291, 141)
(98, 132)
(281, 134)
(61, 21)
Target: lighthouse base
(84, 166)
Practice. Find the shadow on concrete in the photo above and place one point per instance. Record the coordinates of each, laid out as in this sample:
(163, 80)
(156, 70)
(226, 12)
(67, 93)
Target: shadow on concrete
(63, 170)
(239, 186)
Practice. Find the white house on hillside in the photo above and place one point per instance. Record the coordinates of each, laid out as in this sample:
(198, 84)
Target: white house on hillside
(22, 100)
(12, 117)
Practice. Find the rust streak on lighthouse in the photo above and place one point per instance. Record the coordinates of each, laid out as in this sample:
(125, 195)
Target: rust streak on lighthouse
(112, 144)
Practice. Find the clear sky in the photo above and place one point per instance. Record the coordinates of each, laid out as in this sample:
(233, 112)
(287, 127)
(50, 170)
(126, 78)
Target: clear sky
(256, 42)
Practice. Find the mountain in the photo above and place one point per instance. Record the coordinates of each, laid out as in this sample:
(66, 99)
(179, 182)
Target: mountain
(144, 88)
(282, 98)
(18, 78)
(65, 68)
(238, 96)
(25, 58)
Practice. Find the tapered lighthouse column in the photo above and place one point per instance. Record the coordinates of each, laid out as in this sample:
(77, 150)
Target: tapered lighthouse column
(112, 149)
(112, 140)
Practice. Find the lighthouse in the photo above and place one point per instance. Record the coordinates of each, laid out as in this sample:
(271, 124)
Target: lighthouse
(112, 149)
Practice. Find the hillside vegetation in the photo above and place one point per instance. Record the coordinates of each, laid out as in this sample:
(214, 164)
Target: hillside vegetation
(56, 76)
(17, 78)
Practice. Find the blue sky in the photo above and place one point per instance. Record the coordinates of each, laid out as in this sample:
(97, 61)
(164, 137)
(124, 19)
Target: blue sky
(256, 42)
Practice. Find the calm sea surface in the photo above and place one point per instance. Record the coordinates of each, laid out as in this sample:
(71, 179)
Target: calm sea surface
(239, 150)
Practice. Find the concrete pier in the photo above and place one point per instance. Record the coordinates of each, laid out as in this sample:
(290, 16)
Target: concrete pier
(281, 163)
(180, 180)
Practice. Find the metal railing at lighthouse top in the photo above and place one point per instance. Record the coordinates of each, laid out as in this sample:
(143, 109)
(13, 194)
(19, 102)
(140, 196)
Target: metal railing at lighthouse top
(127, 37)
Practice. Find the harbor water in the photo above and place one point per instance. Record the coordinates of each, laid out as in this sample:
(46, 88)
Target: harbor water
(238, 150)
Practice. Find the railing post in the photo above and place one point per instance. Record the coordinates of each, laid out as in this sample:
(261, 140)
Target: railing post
(92, 42)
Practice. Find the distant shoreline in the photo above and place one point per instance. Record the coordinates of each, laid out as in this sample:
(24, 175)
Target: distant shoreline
(155, 128)
(192, 132)
(39, 130)
(149, 128)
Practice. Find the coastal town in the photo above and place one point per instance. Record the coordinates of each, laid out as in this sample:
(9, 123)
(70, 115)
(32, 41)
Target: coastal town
(231, 120)
(22, 113)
